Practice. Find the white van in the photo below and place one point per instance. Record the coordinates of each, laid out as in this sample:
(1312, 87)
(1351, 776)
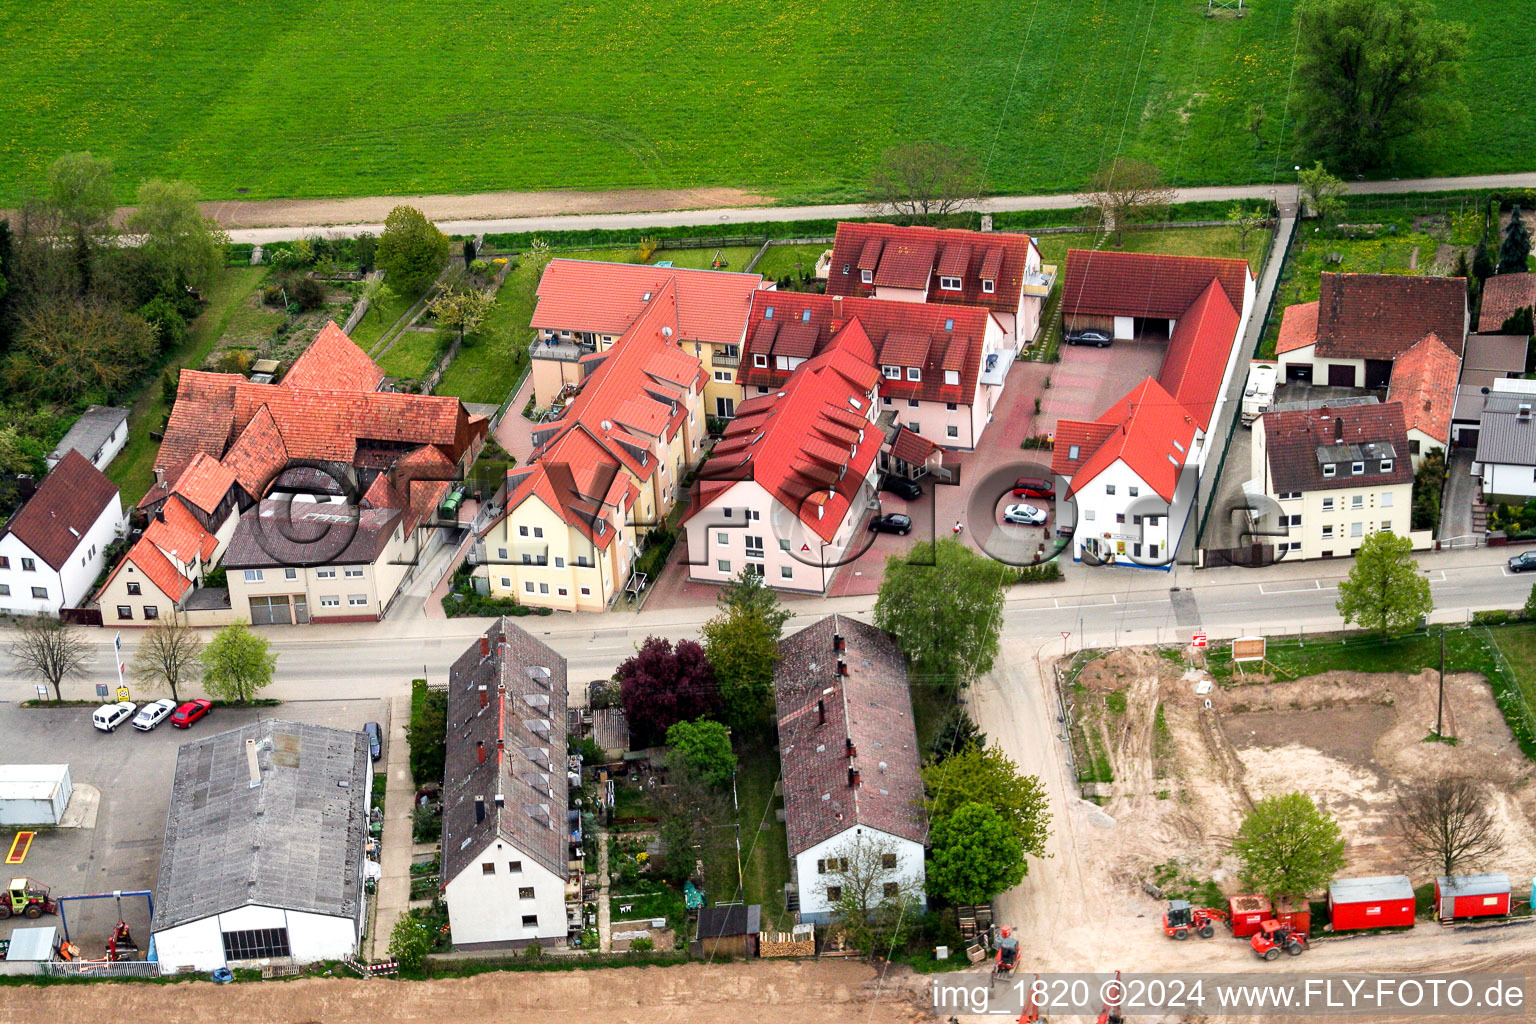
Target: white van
(109, 716)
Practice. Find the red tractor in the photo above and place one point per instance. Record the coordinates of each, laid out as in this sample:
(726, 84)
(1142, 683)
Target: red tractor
(27, 897)
(1181, 919)
(1274, 936)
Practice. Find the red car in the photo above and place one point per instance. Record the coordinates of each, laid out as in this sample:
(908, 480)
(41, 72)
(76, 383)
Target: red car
(190, 712)
(1033, 487)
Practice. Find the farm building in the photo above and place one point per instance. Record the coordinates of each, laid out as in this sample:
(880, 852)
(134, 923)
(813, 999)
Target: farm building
(729, 931)
(1383, 901)
(1472, 895)
(263, 857)
(34, 794)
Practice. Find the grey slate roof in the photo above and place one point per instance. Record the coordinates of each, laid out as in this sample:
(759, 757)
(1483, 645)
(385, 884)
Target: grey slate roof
(1504, 438)
(278, 534)
(90, 432)
(1492, 884)
(293, 841)
(522, 728)
(1370, 890)
(719, 922)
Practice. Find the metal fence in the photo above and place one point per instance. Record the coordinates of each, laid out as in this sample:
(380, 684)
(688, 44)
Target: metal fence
(99, 969)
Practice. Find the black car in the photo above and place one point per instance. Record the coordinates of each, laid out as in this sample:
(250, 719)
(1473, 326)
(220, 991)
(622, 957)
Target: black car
(893, 522)
(375, 739)
(900, 486)
(1089, 336)
(1522, 562)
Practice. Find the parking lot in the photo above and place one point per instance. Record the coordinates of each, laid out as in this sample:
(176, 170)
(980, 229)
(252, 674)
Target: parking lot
(132, 771)
(1089, 380)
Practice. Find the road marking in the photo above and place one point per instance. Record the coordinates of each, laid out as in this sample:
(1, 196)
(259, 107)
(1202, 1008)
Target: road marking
(19, 847)
(1432, 574)
(1264, 588)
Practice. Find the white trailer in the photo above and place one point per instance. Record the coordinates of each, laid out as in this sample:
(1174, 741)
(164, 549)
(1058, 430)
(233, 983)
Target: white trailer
(34, 794)
(1259, 392)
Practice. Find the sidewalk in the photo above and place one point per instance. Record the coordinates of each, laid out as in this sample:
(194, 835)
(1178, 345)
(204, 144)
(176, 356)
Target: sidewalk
(394, 892)
(514, 433)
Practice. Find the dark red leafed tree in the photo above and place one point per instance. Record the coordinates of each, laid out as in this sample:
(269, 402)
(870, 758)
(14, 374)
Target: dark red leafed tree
(663, 685)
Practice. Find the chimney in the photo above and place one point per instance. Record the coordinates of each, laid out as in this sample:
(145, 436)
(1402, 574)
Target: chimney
(1338, 428)
(485, 647)
(501, 800)
(838, 643)
(842, 667)
(853, 778)
(160, 514)
(501, 745)
(479, 809)
(850, 748)
(821, 712)
(159, 476)
(479, 751)
(1523, 413)
(485, 698)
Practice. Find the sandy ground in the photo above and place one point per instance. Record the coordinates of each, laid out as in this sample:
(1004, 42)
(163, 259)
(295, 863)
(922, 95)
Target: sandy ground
(479, 206)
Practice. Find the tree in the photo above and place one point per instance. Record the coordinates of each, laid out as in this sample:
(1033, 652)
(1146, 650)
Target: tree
(1245, 221)
(411, 251)
(1530, 603)
(1372, 73)
(874, 897)
(1384, 590)
(80, 196)
(70, 352)
(533, 264)
(1256, 124)
(427, 736)
(956, 732)
(1448, 825)
(742, 642)
(1516, 250)
(705, 747)
(1323, 193)
(181, 246)
(462, 308)
(377, 293)
(975, 855)
(1288, 847)
(663, 685)
(923, 181)
(50, 649)
(945, 611)
(469, 252)
(237, 663)
(985, 775)
(1124, 190)
(410, 941)
(169, 654)
(1482, 263)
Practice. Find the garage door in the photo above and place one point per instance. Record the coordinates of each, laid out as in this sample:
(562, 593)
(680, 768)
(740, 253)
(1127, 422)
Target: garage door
(1298, 373)
(1341, 376)
(270, 611)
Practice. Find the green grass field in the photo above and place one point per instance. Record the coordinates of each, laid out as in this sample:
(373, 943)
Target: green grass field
(411, 356)
(792, 98)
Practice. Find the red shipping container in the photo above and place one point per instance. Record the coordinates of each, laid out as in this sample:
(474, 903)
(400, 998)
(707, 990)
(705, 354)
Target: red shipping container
(1472, 895)
(1248, 914)
(1383, 901)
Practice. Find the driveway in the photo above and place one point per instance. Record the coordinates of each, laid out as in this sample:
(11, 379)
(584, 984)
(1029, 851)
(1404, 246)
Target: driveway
(1088, 381)
(1461, 490)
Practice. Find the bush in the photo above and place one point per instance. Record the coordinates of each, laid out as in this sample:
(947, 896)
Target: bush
(307, 293)
(658, 545)
(1046, 572)
(427, 732)
(427, 823)
(643, 945)
(1428, 482)
(458, 603)
(1037, 441)
(233, 360)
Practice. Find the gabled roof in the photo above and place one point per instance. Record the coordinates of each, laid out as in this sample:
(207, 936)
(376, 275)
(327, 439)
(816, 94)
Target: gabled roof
(1145, 284)
(334, 361)
(1081, 437)
(1379, 316)
(90, 431)
(204, 482)
(1298, 328)
(68, 502)
(1424, 383)
(956, 337)
(911, 448)
(1299, 441)
(1148, 429)
(868, 728)
(580, 480)
(144, 559)
(1503, 437)
(274, 814)
(915, 257)
(1502, 296)
(607, 298)
(176, 532)
(521, 729)
(1198, 352)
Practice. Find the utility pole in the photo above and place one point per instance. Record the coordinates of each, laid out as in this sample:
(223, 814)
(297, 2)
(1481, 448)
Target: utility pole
(1440, 703)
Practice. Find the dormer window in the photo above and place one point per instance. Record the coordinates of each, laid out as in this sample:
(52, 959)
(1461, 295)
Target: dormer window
(847, 267)
(949, 284)
(1329, 470)
(646, 297)
(1356, 468)
(951, 376)
(768, 313)
(988, 285)
(1073, 451)
(867, 277)
(913, 373)
(891, 372)
(759, 360)
(1386, 465)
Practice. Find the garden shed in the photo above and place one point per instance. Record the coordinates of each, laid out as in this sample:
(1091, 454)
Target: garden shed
(729, 931)
(1472, 895)
(1382, 901)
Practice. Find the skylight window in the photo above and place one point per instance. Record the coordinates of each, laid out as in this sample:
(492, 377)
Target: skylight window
(949, 324)
(805, 316)
(768, 313)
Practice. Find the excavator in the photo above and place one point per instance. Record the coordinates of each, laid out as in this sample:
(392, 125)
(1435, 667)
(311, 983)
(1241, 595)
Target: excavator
(1007, 958)
(27, 897)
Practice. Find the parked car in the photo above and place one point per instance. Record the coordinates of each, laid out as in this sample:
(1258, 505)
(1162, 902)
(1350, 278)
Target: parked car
(900, 486)
(1089, 336)
(1034, 487)
(153, 713)
(1522, 562)
(375, 739)
(109, 716)
(1026, 515)
(893, 522)
(190, 712)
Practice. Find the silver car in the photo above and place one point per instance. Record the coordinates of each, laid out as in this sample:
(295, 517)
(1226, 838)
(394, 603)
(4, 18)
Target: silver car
(1025, 515)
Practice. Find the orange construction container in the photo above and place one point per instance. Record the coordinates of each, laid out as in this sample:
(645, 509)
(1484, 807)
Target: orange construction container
(1295, 915)
(1248, 914)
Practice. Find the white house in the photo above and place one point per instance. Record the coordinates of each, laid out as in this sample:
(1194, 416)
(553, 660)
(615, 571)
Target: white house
(510, 855)
(848, 749)
(54, 547)
(99, 434)
(1506, 442)
(263, 856)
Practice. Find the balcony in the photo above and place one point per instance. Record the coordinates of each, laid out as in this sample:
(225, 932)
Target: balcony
(1039, 283)
(723, 361)
(565, 351)
(994, 368)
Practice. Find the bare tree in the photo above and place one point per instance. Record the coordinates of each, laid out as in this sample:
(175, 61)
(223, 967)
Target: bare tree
(1447, 823)
(169, 654)
(52, 650)
(874, 898)
(1245, 220)
(923, 181)
(1126, 190)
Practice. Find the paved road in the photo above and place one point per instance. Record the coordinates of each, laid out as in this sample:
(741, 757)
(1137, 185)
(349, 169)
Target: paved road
(724, 218)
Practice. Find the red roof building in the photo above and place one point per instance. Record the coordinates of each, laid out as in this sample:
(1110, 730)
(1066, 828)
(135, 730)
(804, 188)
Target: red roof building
(1504, 296)
(334, 361)
(1133, 284)
(1424, 383)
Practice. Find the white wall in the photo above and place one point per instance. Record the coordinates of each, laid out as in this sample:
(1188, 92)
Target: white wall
(487, 908)
(1501, 479)
(71, 584)
(1097, 510)
(200, 944)
(813, 884)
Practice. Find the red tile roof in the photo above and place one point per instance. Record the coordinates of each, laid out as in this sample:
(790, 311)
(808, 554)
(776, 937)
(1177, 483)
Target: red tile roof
(67, 504)
(913, 449)
(1379, 316)
(204, 482)
(832, 726)
(1150, 431)
(580, 480)
(178, 534)
(607, 298)
(1299, 441)
(1083, 435)
(1198, 352)
(1298, 327)
(1502, 296)
(1145, 284)
(1424, 383)
(334, 361)
(147, 559)
(915, 257)
(956, 337)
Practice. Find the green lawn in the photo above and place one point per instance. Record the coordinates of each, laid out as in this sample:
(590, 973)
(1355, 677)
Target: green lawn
(736, 257)
(764, 850)
(381, 316)
(230, 97)
(780, 260)
(1518, 644)
(1218, 241)
(134, 468)
(492, 360)
(411, 356)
